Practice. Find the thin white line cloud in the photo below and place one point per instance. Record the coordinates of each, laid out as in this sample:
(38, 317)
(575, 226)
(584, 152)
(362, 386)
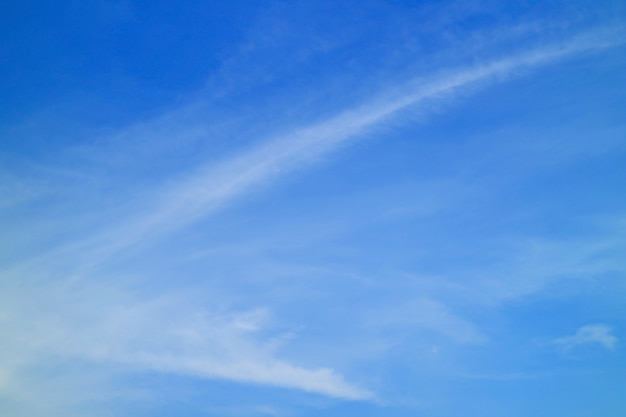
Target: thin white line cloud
(215, 185)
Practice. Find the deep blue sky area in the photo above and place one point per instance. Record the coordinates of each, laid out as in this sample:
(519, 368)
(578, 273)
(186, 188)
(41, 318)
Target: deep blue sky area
(303, 208)
(123, 58)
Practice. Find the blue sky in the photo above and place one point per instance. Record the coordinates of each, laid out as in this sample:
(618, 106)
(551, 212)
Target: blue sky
(346, 208)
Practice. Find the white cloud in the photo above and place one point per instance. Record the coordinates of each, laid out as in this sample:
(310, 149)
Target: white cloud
(590, 334)
(98, 325)
(170, 334)
(424, 314)
(215, 185)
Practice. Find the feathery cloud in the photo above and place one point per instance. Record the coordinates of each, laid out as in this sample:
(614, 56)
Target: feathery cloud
(590, 334)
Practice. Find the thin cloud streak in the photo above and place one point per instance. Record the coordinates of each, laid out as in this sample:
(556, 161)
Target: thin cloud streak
(90, 324)
(214, 186)
(590, 334)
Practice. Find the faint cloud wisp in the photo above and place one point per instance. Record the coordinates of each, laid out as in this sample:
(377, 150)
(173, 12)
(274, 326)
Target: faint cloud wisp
(590, 334)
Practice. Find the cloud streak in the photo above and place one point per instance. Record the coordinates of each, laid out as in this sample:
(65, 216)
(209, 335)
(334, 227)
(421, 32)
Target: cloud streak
(93, 324)
(213, 186)
(600, 334)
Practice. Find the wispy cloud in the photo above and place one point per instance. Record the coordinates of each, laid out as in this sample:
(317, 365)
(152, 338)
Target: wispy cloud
(427, 315)
(601, 334)
(168, 335)
(213, 186)
(164, 334)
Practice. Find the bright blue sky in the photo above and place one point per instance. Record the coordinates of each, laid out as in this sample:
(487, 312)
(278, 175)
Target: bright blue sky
(304, 208)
